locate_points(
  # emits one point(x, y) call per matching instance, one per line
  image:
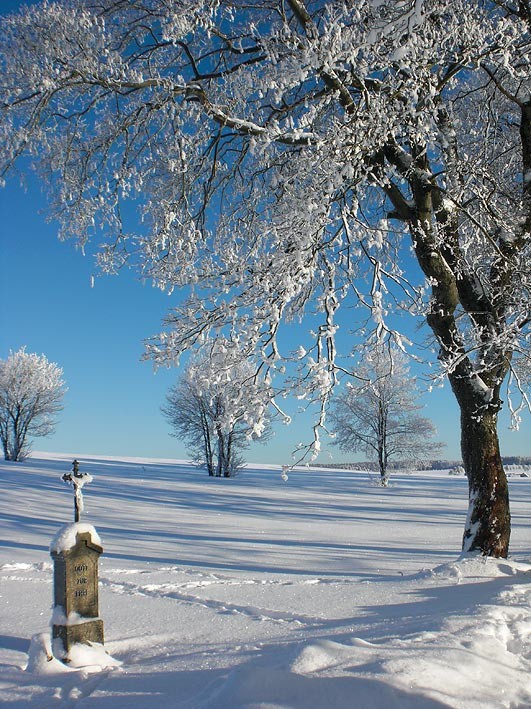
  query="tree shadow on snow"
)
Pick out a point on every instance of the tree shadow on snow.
point(11, 642)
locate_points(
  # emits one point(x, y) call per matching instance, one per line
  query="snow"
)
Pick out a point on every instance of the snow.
point(66, 537)
point(41, 660)
point(319, 590)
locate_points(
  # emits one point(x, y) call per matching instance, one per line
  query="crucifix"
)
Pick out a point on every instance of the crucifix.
point(77, 480)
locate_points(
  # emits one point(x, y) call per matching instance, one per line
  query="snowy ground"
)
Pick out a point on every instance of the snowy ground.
point(318, 592)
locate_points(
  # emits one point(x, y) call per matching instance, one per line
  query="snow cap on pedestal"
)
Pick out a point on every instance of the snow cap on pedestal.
point(66, 537)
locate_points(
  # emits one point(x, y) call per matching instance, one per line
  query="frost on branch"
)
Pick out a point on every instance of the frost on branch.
point(218, 406)
point(377, 413)
point(31, 393)
point(292, 161)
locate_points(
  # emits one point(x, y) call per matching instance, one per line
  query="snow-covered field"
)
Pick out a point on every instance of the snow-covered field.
point(317, 592)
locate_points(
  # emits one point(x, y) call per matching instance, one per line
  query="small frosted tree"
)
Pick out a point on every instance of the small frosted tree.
point(379, 416)
point(31, 394)
point(217, 408)
point(188, 415)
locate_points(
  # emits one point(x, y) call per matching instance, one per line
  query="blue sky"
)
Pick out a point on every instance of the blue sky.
point(96, 335)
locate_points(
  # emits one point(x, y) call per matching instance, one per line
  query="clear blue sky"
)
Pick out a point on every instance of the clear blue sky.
point(96, 335)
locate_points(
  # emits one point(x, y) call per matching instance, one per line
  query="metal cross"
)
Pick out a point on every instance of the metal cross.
point(77, 480)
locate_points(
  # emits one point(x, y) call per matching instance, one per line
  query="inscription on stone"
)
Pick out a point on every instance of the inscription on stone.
point(76, 594)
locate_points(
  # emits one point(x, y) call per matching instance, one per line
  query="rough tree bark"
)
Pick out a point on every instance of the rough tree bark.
point(488, 525)
point(435, 236)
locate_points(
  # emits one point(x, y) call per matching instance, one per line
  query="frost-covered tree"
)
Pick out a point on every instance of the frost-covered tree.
point(31, 394)
point(218, 407)
point(378, 415)
point(292, 156)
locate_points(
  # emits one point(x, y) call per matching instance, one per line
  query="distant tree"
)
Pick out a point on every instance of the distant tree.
point(217, 408)
point(31, 394)
point(379, 416)
point(188, 414)
point(457, 470)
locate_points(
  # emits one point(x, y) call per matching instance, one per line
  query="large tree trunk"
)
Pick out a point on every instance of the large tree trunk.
point(488, 525)
point(382, 443)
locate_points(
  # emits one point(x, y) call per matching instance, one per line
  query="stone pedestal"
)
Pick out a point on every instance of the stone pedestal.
point(76, 616)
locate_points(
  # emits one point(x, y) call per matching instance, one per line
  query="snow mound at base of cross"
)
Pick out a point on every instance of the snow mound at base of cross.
point(89, 658)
